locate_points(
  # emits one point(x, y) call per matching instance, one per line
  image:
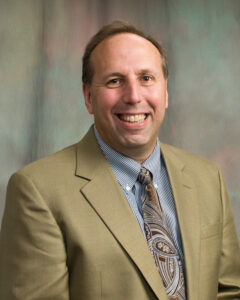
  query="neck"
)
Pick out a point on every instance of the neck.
point(138, 156)
point(139, 153)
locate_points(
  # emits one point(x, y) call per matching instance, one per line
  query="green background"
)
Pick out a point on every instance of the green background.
point(41, 103)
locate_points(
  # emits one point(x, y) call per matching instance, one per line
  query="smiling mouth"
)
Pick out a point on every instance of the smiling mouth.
point(132, 118)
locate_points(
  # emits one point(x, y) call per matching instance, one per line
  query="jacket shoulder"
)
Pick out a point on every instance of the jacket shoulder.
point(55, 163)
point(190, 160)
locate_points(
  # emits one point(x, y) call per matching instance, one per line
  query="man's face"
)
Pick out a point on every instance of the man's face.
point(128, 94)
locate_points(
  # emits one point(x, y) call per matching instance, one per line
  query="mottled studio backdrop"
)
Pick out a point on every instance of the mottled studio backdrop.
point(41, 103)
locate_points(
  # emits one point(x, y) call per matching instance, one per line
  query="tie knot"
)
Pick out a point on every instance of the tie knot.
point(144, 176)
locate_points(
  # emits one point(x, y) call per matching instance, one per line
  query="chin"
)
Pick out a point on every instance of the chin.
point(135, 143)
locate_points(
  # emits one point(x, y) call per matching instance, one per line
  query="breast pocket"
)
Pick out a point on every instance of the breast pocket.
point(211, 231)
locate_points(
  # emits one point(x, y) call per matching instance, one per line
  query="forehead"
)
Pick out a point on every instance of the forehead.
point(124, 48)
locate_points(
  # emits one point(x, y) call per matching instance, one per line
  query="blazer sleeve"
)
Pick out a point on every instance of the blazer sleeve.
point(32, 250)
point(229, 272)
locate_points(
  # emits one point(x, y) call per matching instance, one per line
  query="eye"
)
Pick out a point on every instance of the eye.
point(114, 82)
point(147, 79)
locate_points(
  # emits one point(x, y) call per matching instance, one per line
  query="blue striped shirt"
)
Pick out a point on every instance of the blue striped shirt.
point(126, 171)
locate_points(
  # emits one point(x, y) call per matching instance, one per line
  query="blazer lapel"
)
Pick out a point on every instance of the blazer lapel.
point(186, 202)
point(108, 200)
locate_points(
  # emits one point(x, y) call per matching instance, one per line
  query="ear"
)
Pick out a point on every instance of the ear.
point(166, 101)
point(87, 98)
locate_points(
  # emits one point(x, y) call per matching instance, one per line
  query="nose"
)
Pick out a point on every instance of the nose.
point(131, 92)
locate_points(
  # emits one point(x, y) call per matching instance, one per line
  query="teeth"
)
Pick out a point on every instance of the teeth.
point(133, 118)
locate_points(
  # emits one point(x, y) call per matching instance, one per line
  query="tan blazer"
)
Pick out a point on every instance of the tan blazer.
point(69, 233)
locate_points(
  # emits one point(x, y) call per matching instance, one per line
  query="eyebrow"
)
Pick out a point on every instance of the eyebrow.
point(113, 74)
point(118, 74)
point(146, 71)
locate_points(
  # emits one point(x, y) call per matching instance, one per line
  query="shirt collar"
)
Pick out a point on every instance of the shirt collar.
point(126, 169)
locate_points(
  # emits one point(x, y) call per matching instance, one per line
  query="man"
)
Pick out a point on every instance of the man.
point(79, 224)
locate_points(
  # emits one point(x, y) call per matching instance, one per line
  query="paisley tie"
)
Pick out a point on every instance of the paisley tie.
point(160, 240)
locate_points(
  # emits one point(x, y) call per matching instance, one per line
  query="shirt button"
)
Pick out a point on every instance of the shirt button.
point(128, 188)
